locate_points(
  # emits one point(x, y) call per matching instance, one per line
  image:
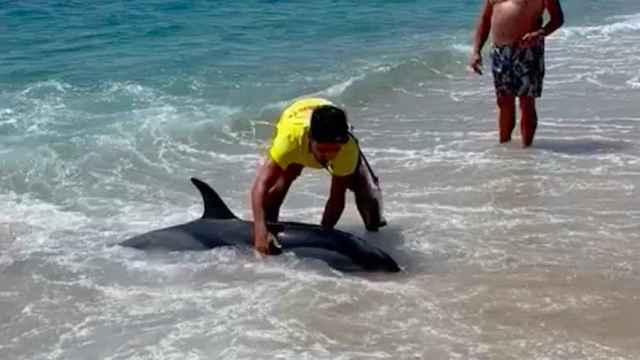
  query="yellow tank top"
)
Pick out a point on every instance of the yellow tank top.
point(290, 144)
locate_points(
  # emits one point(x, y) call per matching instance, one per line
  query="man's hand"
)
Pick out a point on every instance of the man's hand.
point(531, 39)
point(475, 63)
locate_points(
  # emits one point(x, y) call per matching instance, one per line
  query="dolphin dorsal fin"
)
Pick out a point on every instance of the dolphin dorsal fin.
point(214, 207)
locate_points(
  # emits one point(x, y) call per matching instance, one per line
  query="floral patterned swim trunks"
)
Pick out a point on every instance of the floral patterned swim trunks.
point(518, 71)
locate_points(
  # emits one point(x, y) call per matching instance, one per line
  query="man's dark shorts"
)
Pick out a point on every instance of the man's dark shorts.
point(518, 71)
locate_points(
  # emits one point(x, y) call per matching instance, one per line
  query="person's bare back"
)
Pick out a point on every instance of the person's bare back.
point(512, 19)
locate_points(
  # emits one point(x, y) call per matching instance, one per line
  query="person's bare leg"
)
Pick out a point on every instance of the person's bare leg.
point(278, 192)
point(529, 119)
point(506, 117)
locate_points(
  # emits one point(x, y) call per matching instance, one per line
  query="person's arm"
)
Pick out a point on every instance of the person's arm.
point(483, 29)
point(556, 17)
point(556, 20)
point(335, 204)
point(265, 179)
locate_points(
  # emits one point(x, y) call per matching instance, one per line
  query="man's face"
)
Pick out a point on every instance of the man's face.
point(324, 152)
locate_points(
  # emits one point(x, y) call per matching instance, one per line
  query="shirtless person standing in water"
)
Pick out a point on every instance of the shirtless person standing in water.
point(517, 57)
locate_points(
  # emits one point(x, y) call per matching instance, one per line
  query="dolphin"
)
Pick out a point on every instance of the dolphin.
point(218, 227)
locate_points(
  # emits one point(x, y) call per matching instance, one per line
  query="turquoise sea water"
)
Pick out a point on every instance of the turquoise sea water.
point(240, 54)
point(77, 70)
point(108, 107)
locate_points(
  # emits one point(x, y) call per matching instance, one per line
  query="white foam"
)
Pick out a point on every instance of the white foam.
point(338, 89)
point(462, 48)
point(7, 117)
point(45, 88)
point(630, 23)
point(134, 90)
point(41, 218)
point(634, 82)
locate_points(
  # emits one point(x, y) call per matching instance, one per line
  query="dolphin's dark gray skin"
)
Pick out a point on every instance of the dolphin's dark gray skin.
point(220, 227)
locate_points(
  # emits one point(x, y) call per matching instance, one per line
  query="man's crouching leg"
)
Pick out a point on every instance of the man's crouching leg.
point(368, 198)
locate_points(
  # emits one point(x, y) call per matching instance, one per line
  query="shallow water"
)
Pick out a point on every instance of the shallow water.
point(508, 253)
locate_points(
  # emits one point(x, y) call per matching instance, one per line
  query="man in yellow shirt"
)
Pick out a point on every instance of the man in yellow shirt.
point(314, 133)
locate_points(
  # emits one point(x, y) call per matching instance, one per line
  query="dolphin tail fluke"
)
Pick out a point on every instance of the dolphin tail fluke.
point(214, 207)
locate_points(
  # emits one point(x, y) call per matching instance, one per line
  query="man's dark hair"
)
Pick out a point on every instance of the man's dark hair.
point(329, 125)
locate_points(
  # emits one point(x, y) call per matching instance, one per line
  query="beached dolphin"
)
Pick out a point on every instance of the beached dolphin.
point(220, 227)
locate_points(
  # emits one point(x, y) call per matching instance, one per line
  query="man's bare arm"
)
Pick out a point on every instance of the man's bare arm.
point(556, 17)
point(335, 204)
point(267, 175)
point(483, 29)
